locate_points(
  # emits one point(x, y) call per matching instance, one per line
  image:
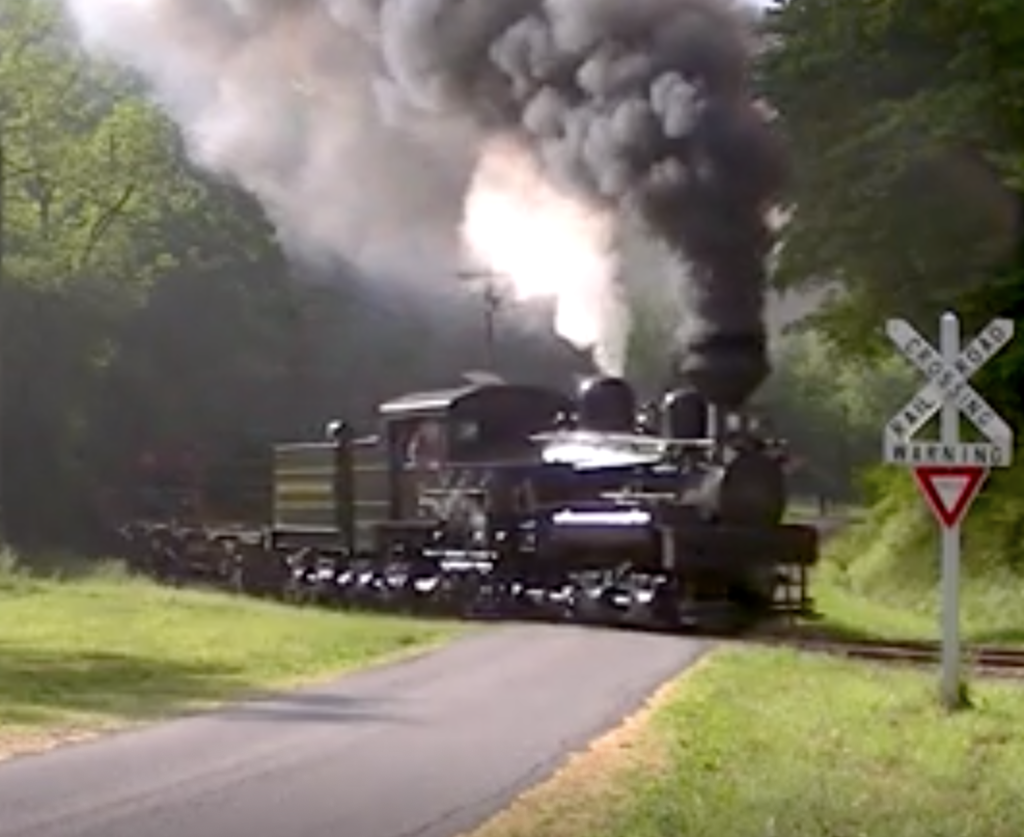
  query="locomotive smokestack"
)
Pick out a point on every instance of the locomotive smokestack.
point(637, 107)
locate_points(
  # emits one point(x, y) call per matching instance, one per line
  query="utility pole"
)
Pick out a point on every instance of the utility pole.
point(492, 304)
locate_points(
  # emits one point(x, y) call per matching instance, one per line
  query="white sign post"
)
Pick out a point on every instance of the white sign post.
point(949, 472)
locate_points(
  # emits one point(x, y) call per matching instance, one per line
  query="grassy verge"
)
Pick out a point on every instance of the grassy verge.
point(881, 576)
point(991, 613)
point(773, 742)
point(99, 651)
point(778, 742)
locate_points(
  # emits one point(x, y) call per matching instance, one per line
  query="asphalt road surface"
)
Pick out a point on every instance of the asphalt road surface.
point(426, 748)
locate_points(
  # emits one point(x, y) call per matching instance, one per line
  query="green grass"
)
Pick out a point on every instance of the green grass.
point(100, 650)
point(991, 613)
point(778, 743)
point(881, 575)
point(759, 742)
point(775, 742)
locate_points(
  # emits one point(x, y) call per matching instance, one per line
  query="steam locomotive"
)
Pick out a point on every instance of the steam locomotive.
point(511, 499)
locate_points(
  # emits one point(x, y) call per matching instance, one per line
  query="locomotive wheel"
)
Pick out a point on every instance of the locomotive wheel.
point(664, 607)
point(588, 606)
point(259, 572)
point(167, 560)
point(726, 620)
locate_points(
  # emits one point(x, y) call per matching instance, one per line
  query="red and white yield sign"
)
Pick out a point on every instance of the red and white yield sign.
point(950, 490)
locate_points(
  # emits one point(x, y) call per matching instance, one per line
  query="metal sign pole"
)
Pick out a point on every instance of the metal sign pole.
point(949, 472)
point(950, 617)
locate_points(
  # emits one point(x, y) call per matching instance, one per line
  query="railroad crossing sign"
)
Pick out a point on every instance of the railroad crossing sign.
point(948, 472)
point(947, 385)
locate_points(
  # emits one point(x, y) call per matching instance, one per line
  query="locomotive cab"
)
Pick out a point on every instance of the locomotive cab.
point(431, 459)
point(474, 424)
point(435, 446)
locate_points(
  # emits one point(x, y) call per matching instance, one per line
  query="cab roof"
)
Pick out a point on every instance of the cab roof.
point(471, 397)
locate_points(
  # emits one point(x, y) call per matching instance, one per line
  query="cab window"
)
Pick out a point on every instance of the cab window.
point(424, 445)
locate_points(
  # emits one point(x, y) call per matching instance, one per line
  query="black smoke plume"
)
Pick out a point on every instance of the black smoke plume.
point(637, 107)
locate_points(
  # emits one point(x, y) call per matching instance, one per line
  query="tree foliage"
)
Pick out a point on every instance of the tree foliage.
point(145, 306)
point(906, 123)
point(903, 118)
point(831, 410)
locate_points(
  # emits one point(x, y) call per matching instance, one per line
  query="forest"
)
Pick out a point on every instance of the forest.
point(905, 121)
point(148, 305)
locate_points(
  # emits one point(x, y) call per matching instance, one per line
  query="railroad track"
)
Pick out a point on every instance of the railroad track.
point(987, 659)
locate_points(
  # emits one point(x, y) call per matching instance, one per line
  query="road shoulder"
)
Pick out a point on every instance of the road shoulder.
point(81, 658)
point(755, 741)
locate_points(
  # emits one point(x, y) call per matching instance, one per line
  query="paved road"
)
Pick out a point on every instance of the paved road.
point(426, 748)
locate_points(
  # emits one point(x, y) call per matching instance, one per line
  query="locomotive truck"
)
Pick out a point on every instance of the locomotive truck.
point(511, 499)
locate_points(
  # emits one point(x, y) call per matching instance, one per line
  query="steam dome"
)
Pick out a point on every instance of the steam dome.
point(608, 405)
point(684, 415)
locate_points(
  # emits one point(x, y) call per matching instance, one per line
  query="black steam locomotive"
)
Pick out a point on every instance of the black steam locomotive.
point(513, 499)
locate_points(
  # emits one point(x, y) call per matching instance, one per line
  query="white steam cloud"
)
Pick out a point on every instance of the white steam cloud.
point(285, 102)
point(409, 135)
point(549, 244)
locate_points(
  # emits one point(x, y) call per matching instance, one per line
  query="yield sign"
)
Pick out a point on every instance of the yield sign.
point(949, 490)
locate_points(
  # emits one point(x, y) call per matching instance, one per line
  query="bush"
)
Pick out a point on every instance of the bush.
point(892, 555)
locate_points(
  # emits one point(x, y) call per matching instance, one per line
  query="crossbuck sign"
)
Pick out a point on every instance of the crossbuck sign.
point(947, 385)
point(949, 473)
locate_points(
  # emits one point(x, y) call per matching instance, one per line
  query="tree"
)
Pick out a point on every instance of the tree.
point(146, 304)
point(97, 203)
point(831, 408)
point(906, 124)
point(903, 120)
